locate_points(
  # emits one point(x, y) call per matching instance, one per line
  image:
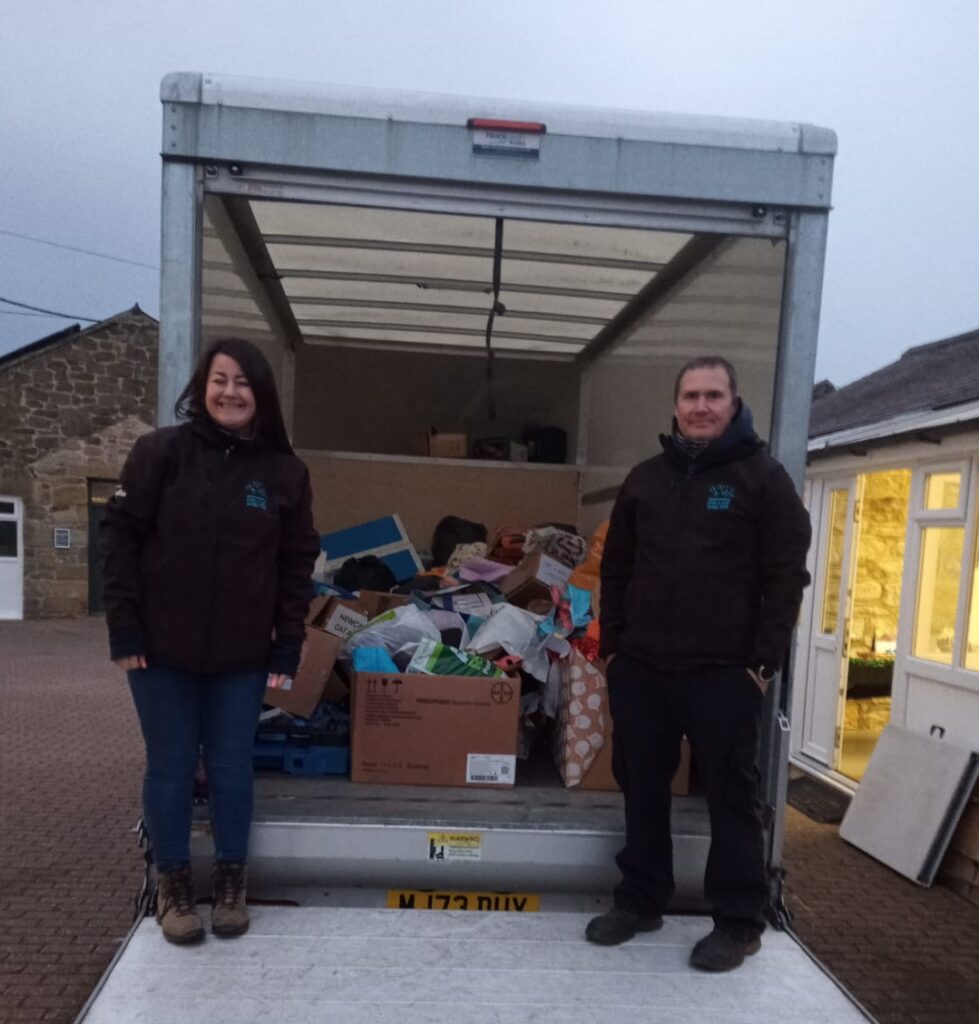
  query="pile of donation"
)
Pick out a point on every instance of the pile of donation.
point(451, 676)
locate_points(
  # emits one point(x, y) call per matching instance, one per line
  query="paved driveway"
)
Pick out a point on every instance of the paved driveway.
point(70, 769)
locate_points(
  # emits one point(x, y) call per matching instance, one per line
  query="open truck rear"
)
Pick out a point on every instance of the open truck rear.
point(481, 266)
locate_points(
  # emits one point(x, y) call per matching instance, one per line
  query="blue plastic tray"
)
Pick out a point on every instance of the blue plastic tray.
point(301, 760)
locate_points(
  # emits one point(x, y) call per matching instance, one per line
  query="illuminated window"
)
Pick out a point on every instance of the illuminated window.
point(938, 592)
point(834, 560)
point(972, 628)
point(942, 491)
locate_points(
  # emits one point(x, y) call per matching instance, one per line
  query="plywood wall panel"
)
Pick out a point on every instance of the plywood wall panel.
point(347, 491)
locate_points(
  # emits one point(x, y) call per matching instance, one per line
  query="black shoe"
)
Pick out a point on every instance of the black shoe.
point(619, 926)
point(722, 951)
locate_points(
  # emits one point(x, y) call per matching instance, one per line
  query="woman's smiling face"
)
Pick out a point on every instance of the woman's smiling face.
point(228, 396)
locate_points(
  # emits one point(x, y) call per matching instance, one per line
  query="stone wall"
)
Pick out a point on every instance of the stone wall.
point(69, 413)
point(880, 558)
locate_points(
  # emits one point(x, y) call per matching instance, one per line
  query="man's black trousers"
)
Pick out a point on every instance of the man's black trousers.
point(719, 710)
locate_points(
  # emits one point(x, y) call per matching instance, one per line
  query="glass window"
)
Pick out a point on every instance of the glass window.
point(942, 490)
point(938, 592)
point(8, 538)
point(834, 560)
point(6, 508)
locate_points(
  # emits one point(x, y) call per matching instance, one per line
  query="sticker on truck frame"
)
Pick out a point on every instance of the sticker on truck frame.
point(446, 846)
point(436, 899)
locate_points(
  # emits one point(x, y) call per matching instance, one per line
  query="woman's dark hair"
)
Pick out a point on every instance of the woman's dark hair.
point(269, 425)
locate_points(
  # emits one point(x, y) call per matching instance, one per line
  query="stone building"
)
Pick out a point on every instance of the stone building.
point(889, 629)
point(71, 406)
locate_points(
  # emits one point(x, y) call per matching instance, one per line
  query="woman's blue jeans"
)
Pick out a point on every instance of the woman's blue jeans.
point(182, 713)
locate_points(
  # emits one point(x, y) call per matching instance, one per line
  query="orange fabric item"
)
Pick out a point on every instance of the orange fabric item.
point(586, 575)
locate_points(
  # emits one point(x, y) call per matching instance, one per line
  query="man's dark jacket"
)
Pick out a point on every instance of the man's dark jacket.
point(705, 559)
point(209, 549)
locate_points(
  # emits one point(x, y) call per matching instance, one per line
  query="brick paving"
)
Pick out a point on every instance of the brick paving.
point(70, 772)
point(70, 769)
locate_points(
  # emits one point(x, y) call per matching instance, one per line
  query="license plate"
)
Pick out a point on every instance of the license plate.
point(438, 899)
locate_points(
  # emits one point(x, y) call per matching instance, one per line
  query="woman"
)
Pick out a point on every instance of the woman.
point(209, 548)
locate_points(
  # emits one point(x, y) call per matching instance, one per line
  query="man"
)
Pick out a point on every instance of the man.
point(702, 577)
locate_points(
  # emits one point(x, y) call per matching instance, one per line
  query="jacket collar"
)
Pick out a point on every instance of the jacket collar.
point(205, 428)
point(738, 441)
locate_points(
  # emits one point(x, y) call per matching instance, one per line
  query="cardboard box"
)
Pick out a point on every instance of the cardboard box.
point(385, 538)
point(439, 445)
point(375, 603)
point(533, 578)
point(434, 730)
point(329, 622)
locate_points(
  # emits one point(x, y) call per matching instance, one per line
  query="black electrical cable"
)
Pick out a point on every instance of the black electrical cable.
point(496, 309)
point(48, 312)
point(76, 248)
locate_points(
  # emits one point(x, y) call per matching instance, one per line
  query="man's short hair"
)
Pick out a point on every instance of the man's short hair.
point(708, 363)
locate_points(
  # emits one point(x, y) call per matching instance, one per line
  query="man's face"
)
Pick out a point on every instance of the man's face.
point(704, 404)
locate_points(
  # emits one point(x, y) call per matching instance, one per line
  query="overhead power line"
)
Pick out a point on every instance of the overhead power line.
point(75, 248)
point(48, 312)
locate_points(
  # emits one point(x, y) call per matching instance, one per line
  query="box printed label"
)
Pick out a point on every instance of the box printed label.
point(343, 622)
point(491, 769)
point(552, 572)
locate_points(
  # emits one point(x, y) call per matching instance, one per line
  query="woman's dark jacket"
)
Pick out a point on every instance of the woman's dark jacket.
point(705, 558)
point(209, 549)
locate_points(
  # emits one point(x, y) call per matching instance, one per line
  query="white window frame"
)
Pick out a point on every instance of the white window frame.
point(919, 519)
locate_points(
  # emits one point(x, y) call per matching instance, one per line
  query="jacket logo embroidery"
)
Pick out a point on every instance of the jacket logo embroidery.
point(719, 497)
point(255, 496)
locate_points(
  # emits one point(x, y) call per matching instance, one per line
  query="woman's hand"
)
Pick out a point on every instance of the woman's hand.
point(132, 662)
point(277, 680)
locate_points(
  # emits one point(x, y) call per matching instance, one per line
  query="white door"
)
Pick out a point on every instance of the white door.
point(833, 511)
point(11, 558)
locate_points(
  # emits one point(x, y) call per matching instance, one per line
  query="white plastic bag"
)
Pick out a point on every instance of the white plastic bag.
point(396, 629)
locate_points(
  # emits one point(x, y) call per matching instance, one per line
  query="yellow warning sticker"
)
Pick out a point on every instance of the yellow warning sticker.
point(434, 899)
point(455, 846)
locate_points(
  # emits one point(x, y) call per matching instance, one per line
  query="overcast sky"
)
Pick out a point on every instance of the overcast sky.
point(898, 80)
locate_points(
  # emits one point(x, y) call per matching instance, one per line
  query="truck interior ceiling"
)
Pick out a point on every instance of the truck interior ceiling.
point(382, 323)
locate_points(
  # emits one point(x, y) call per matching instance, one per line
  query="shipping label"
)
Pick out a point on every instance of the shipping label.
point(491, 769)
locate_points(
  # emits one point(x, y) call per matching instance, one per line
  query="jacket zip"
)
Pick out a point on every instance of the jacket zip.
point(213, 532)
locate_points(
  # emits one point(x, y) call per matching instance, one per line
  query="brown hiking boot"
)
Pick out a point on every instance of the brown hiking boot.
point(229, 915)
point(175, 910)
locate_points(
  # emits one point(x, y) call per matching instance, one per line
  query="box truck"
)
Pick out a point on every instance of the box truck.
point(489, 268)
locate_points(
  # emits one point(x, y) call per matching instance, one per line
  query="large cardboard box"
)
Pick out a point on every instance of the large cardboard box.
point(442, 445)
point(329, 622)
point(434, 730)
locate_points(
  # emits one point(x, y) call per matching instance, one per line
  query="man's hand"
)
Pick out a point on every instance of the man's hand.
point(277, 680)
point(131, 663)
point(762, 677)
